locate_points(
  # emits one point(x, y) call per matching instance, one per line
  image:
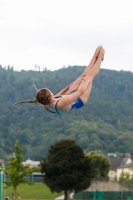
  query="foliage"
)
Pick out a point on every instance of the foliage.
point(104, 123)
point(15, 170)
point(100, 164)
point(66, 168)
point(126, 178)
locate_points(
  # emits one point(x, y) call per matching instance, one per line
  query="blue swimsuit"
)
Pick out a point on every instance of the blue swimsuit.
point(76, 104)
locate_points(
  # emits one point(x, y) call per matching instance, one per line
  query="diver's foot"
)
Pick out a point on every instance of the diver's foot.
point(97, 51)
point(101, 54)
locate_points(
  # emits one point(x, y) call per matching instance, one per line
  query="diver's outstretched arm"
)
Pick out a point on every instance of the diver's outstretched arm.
point(64, 90)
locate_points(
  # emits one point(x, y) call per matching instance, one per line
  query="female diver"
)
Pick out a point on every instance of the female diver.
point(76, 94)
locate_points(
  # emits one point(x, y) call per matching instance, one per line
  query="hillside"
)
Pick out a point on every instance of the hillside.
point(104, 123)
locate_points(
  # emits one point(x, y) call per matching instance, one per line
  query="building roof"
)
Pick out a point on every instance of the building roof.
point(117, 162)
point(31, 163)
point(129, 165)
point(1, 161)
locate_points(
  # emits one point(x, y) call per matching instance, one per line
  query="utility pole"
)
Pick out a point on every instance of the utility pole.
point(1, 185)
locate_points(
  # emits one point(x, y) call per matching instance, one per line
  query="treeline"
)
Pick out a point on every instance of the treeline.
point(104, 123)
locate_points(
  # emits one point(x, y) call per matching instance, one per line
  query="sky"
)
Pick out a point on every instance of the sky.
point(58, 33)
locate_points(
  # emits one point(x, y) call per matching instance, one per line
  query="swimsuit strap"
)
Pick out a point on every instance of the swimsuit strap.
point(49, 110)
point(55, 106)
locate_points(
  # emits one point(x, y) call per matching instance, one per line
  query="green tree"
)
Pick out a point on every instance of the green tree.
point(126, 178)
point(66, 168)
point(100, 164)
point(106, 120)
point(15, 169)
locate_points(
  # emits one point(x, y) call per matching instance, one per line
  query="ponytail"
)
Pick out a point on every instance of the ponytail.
point(42, 96)
point(26, 101)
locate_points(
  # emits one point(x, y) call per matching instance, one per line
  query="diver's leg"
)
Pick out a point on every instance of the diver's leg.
point(93, 73)
point(93, 60)
point(76, 83)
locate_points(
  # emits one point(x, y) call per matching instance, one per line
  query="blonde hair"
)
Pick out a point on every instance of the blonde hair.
point(42, 96)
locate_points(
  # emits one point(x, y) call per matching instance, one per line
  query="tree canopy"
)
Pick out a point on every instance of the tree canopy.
point(126, 178)
point(104, 123)
point(15, 170)
point(100, 164)
point(66, 167)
